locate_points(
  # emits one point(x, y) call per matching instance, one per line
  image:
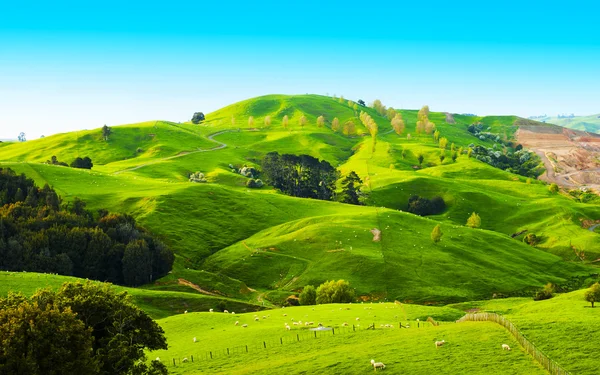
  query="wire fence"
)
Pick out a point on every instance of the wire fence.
point(551, 366)
point(291, 337)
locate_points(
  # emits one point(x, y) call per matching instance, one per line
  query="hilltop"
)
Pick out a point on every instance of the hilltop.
point(260, 246)
point(584, 123)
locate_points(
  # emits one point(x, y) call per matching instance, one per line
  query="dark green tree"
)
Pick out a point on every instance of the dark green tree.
point(137, 263)
point(420, 158)
point(308, 295)
point(198, 117)
point(593, 295)
point(351, 189)
point(106, 132)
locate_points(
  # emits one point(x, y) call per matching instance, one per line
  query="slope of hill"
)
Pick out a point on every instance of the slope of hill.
point(218, 225)
point(584, 123)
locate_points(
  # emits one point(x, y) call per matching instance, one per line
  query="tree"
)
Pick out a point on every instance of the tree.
point(391, 113)
point(420, 157)
point(120, 331)
point(198, 117)
point(442, 157)
point(335, 292)
point(350, 103)
point(398, 124)
point(335, 125)
point(429, 127)
point(21, 137)
point(320, 121)
point(423, 112)
point(436, 135)
point(454, 156)
point(308, 296)
point(137, 263)
point(84, 163)
point(30, 342)
point(285, 121)
point(593, 295)
point(349, 128)
point(553, 188)
point(361, 102)
point(251, 121)
point(232, 121)
point(531, 239)
point(267, 120)
point(351, 189)
point(474, 221)
point(302, 121)
point(546, 293)
point(469, 153)
point(106, 132)
point(355, 107)
point(436, 234)
point(443, 143)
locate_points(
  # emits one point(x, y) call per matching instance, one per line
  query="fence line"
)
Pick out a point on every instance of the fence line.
point(290, 337)
point(549, 364)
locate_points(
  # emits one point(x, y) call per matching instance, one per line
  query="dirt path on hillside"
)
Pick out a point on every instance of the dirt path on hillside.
point(184, 153)
point(550, 175)
point(196, 287)
point(593, 227)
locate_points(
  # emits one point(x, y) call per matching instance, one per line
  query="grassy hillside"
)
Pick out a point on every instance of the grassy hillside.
point(470, 348)
point(224, 233)
point(585, 123)
point(564, 327)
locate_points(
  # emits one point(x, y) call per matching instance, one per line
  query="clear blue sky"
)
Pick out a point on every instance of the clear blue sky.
point(67, 65)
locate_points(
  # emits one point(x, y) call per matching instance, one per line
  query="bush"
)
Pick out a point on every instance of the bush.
point(254, 184)
point(198, 117)
point(85, 163)
point(546, 293)
point(335, 292)
point(593, 295)
point(308, 295)
point(197, 177)
point(139, 150)
point(531, 239)
point(423, 206)
point(553, 188)
point(474, 221)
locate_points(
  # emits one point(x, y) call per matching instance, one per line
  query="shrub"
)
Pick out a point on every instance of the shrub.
point(531, 239)
point(423, 206)
point(474, 221)
point(553, 188)
point(545, 293)
point(139, 150)
point(197, 177)
point(308, 295)
point(335, 292)
point(198, 117)
point(254, 184)
point(436, 234)
point(593, 295)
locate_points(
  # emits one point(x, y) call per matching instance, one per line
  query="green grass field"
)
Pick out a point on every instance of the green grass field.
point(249, 249)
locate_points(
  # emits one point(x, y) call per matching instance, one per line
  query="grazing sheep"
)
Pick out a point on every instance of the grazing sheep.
point(194, 339)
point(505, 347)
point(226, 312)
point(233, 313)
point(345, 324)
point(284, 314)
point(256, 319)
point(288, 328)
point(185, 312)
point(377, 365)
point(184, 360)
point(357, 319)
point(245, 325)
point(295, 323)
point(439, 343)
point(158, 359)
point(210, 310)
point(306, 323)
point(237, 323)
point(264, 317)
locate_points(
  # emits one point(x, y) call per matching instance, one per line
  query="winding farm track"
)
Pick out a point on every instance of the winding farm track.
point(184, 153)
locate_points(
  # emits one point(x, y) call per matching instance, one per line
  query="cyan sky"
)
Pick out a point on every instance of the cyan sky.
point(71, 65)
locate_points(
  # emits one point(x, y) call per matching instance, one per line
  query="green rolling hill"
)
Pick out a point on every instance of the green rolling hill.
point(259, 246)
point(584, 123)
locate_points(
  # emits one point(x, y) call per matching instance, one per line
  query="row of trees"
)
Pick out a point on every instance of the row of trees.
point(424, 125)
point(39, 233)
point(84, 163)
point(83, 328)
point(328, 292)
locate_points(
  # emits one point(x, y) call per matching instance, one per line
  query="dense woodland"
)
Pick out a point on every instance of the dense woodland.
point(300, 176)
point(39, 233)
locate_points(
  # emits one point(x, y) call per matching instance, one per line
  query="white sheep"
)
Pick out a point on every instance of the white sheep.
point(210, 310)
point(357, 319)
point(345, 324)
point(256, 319)
point(226, 312)
point(245, 325)
point(377, 365)
point(237, 323)
point(288, 328)
point(184, 360)
point(505, 347)
point(158, 359)
point(439, 343)
point(185, 312)
point(295, 323)
point(233, 313)
point(194, 339)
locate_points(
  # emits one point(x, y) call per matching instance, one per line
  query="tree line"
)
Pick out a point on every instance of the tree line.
point(41, 234)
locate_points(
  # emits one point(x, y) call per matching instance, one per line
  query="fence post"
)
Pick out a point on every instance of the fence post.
point(210, 355)
point(192, 359)
point(246, 348)
point(281, 339)
point(298, 337)
point(353, 328)
point(265, 344)
point(333, 331)
point(174, 362)
point(227, 351)
point(315, 334)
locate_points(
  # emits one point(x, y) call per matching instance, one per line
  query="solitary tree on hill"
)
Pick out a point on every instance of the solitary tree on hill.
point(361, 102)
point(335, 125)
point(198, 117)
point(436, 234)
point(474, 221)
point(593, 295)
point(106, 131)
point(285, 121)
point(267, 120)
point(251, 121)
point(320, 121)
point(302, 121)
point(442, 157)
point(454, 156)
point(21, 137)
point(420, 158)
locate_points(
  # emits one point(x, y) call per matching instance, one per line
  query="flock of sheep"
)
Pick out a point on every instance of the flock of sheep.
point(376, 365)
